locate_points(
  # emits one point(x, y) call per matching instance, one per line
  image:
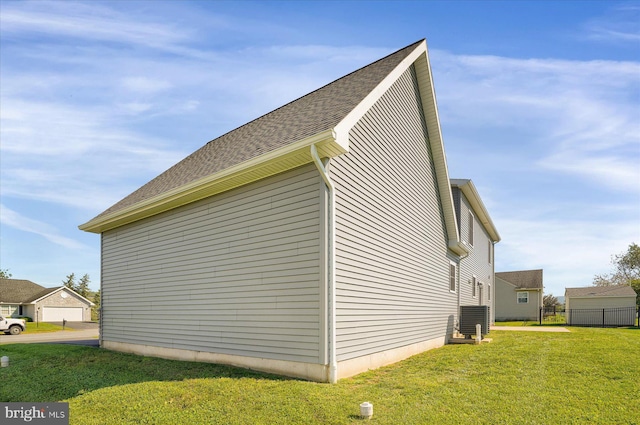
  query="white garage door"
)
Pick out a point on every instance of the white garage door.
point(57, 314)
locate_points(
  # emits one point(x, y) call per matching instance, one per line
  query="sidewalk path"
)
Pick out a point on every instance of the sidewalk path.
point(530, 328)
point(82, 337)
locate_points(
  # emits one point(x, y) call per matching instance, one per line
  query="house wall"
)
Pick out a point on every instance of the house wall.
point(392, 265)
point(477, 262)
point(232, 278)
point(57, 300)
point(507, 307)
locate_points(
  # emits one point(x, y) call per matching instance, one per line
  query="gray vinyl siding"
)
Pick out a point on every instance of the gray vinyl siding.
point(392, 269)
point(238, 273)
point(477, 262)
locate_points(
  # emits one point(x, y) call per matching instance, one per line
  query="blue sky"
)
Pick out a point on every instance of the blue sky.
point(539, 105)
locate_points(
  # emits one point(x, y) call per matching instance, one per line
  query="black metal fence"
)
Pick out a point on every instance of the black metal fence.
point(602, 317)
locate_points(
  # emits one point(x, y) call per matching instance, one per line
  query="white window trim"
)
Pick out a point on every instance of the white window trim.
point(455, 277)
point(518, 297)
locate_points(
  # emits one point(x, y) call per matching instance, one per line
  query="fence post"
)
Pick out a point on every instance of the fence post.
point(603, 317)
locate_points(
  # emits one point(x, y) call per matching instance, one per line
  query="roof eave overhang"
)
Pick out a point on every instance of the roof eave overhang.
point(260, 167)
point(470, 192)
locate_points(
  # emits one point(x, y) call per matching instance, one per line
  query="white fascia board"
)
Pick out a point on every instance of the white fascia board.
point(470, 192)
point(420, 58)
point(346, 124)
point(430, 109)
point(197, 189)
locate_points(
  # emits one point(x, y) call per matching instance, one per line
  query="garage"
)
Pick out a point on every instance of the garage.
point(57, 314)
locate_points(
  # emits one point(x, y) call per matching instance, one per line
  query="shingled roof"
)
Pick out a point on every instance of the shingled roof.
point(601, 291)
point(523, 279)
point(16, 291)
point(285, 139)
point(312, 114)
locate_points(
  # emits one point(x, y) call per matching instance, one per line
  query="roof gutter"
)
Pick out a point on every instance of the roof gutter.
point(270, 163)
point(331, 265)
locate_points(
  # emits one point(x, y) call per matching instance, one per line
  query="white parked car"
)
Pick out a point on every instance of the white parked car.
point(12, 326)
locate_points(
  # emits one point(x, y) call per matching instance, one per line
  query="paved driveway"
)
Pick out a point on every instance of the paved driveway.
point(86, 334)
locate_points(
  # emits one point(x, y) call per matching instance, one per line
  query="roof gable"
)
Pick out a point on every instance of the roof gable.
point(601, 291)
point(17, 291)
point(50, 291)
point(523, 279)
point(316, 113)
point(20, 291)
point(467, 187)
point(282, 140)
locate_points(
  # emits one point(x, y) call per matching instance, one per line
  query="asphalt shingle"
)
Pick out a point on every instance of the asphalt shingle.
point(309, 115)
point(524, 279)
point(601, 291)
point(16, 291)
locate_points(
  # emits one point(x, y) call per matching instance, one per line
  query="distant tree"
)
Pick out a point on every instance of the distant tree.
point(95, 315)
point(4, 274)
point(626, 270)
point(82, 287)
point(70, 282)
point(550, 301)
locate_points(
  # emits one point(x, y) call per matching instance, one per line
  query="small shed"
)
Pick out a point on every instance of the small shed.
point(601, 306)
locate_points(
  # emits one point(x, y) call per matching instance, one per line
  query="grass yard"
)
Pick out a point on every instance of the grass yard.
point(42, 327)
point(586, 376)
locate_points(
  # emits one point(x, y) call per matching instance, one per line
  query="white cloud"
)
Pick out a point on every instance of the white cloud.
point(618, 25)
point(575, 117)
point(145, 85)
point(572, 251)
point(87, 21)
point(13, 219)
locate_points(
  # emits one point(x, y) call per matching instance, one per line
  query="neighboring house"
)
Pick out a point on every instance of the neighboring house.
point(23, 298)
point(479, 235)
point(601, 305)
point(318, 241)
point(519, 295)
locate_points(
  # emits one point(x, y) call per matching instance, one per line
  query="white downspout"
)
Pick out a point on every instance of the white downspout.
point(331, 230)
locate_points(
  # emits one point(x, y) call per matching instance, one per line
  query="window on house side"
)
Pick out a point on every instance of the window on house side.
point(489, 245)
point(474, 285)
point(470, 228)
point(489, 295)
point(523, 298)
point(452, 277)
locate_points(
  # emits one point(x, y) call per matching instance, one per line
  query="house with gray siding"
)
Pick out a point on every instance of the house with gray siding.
point(479, 235)
point(24, 298)
point(316, 241)
point(519, 295)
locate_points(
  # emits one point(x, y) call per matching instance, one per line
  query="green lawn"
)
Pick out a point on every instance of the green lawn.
point(586, 376)
point(34, 328)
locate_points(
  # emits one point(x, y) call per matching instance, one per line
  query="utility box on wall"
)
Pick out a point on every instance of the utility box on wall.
point(470, 315)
